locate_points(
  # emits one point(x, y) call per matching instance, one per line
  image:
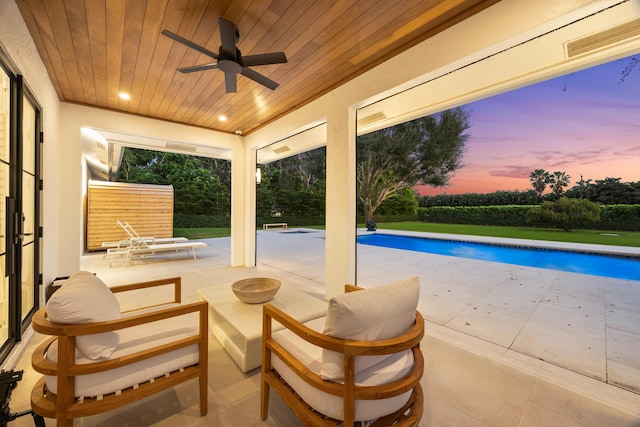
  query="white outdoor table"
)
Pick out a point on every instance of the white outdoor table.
point(238, 326)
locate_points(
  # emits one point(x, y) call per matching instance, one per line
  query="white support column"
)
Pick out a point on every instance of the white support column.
point(250, 208)
point(238, 206)
point(340, 246)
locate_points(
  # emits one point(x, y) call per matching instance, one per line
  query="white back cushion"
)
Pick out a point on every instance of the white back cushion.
point(372, 314)
point(84, 298)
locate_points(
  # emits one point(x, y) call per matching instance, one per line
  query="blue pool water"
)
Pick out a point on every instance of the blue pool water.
point(576, 262)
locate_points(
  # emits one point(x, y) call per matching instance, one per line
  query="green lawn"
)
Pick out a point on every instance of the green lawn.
point(201, 233)
point(620, 238)
point(600, 237)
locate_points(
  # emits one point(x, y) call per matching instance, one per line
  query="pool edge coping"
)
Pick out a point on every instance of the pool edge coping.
point(628, 251)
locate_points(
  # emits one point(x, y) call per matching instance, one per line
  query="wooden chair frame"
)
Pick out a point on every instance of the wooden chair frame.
point(64, 406)
point(409, 415)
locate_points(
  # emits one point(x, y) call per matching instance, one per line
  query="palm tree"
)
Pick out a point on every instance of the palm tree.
point(539, 179)
point(558, 181)
point(583, 186)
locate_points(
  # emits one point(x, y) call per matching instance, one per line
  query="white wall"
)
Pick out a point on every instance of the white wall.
point(74, 117)
point(17, 43)
point(502, 26)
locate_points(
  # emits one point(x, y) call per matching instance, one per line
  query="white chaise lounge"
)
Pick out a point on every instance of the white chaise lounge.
point(144, 250)
point(137, 247)
point(120, 246)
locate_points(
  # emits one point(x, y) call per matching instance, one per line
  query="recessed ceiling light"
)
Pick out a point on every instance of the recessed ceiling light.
point(124, 96)
point(222, 118)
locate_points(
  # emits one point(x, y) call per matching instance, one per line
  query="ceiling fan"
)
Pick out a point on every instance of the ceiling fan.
point(229, 59)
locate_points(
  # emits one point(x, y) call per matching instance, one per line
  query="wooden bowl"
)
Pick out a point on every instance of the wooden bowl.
point(255, 290)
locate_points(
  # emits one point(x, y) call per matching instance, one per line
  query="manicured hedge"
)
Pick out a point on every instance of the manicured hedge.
point(389, 218)
point(612, 217)
point(292, 221)
point(507, 215)
point(201, 221)
point(619, 217)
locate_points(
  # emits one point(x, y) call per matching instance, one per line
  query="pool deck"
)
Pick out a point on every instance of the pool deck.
point(586, 324)
point(504, 345)
point(540, 244)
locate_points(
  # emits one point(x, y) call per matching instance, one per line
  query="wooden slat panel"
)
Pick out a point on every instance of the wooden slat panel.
point(132, 47)
point(147, 208)
point(77, 19)
point(64, 43)
point(172, 82)
point(37, 21)
point(150, 33)
point(115, 35)
point(161, 55)
point(93, 49)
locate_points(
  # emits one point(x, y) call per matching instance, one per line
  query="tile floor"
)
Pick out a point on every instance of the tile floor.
point(504, 345)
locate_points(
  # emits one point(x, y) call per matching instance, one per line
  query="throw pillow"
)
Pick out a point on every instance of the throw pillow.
point(378, 313)
point(84, 298)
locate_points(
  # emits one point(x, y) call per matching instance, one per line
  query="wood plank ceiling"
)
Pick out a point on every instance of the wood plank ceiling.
point(95, 49)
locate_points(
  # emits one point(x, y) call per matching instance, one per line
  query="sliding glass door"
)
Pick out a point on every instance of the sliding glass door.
point(27, 223)
point(5, 137)
point(20, 135)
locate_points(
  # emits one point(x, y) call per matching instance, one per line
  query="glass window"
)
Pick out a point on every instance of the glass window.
point(28, 137)
point(5, 105)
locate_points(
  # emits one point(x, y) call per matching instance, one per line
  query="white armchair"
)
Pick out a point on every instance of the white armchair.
point(362, 363)
point(99, 359)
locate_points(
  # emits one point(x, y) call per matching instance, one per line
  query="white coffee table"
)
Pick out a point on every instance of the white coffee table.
point(238, 326)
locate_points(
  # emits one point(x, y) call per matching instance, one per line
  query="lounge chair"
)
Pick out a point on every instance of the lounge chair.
point(137, 247)
point(99, 359)
point(362, 363)
point(121, 245)
point(142, 249)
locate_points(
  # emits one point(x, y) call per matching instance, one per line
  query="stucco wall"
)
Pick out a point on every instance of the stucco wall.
point(17, 43)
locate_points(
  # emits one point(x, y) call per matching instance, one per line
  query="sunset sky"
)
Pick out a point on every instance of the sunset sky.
point(586, 123)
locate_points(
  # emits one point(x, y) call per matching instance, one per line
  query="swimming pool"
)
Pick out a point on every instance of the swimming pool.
point(618, 267)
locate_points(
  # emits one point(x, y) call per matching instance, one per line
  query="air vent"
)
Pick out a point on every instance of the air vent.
point(180, 147)
point(281, 150)
point(376, 117)
point(603, 38)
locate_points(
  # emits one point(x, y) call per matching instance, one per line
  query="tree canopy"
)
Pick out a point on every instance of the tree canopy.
point(427, 151)
point(202, 186)
point(294, 186)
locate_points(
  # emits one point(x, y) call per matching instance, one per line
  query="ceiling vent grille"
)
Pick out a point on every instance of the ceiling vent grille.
point(281, 150)
point(180, 147)
point(603, 38)
point(375, 117)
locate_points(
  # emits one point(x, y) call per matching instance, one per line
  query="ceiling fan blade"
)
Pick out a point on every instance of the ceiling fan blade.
point(189, 43)
point(195, 68)
point(264, 59)
point(228, 37)
point(230, 82)
point(259, 78)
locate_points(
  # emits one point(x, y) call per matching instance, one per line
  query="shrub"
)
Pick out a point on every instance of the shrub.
point(620, 217)
point(201, 221)
point(565, 213)
point(508, 215)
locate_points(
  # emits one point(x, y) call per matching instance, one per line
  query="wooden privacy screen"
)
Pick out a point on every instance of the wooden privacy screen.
point(148, 208)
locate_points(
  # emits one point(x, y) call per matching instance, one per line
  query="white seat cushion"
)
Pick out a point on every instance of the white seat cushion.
point(133, 340)
point(391, 368)
point(378, 313)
